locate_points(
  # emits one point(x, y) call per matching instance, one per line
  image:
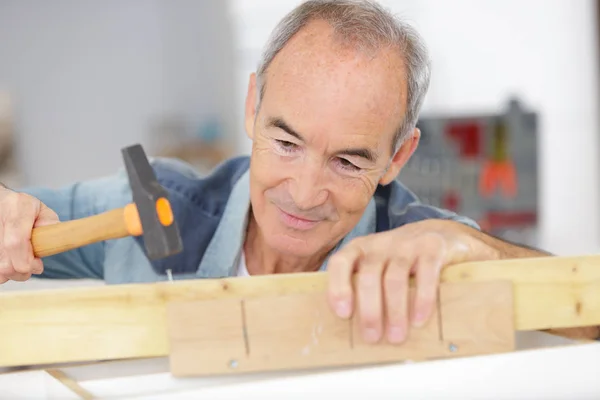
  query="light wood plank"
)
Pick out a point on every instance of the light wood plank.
point(549, 292)
point(194, 339)
point(299, 331)
point(129, 321)
point(478, 318)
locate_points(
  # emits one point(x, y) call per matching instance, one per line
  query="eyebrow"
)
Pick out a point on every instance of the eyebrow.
point(365, 153)
point(281, 124)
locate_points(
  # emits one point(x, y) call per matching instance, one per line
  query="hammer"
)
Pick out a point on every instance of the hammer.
point(149, 214)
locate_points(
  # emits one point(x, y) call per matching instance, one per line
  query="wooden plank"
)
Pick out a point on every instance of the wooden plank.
point(113, 322)
point(299, 331)
point(549, 292)
point(129, 321)
point(488, 309)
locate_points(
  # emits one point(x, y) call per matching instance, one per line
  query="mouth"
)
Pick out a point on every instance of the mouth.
point(296, 222)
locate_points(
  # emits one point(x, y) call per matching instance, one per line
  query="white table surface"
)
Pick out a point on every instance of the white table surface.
point(543, 367)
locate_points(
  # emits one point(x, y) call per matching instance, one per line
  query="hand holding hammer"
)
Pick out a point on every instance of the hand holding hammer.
point(29, 230)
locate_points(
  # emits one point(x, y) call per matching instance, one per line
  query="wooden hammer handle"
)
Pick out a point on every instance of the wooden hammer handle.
point(57, 238)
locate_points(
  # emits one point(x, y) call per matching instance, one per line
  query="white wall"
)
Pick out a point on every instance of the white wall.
point(544, 51)
point(89, 77)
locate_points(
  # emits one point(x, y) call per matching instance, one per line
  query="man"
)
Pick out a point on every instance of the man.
point(331, 112)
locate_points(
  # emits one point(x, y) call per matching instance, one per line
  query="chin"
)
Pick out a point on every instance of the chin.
point(292, 243)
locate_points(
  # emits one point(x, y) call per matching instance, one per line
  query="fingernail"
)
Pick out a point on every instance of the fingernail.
point(342, 309)
point(370, 335)
point(395, 334)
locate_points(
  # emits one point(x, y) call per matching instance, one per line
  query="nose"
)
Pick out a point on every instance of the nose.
point(307, 187)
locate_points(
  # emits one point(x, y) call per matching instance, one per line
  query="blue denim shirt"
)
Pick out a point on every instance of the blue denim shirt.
point(211, 212)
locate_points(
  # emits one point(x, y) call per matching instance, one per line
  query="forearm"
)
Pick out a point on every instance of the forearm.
point(503, 249)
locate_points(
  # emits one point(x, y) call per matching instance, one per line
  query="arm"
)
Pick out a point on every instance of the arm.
point(501, 249)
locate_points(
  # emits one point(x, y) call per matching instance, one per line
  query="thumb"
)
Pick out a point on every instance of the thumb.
point(45, 217)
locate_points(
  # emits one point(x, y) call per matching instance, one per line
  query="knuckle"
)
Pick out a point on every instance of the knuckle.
point(357, 241)
point(27, 266)
point(431, 241)
point(17, 199)
point(335, 260)
point(20, 277)
point(401, 264)
point(22, 269)
point(369, 278)
point(12, 242)
point(18, 203)
point(396, 278)
point(339, 293)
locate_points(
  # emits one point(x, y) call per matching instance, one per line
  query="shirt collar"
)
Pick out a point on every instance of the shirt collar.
point(222, 254)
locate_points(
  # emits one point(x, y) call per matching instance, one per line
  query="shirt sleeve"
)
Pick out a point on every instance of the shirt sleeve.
point(75, 201)
point(404, 207)
point(419, 211)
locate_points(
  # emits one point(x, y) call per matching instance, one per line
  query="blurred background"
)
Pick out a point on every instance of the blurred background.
point(510, 125)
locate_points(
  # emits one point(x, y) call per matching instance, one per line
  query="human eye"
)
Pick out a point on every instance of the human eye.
point(346, 165)
point(285, 146)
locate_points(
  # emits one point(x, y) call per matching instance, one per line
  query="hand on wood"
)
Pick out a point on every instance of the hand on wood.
point(371, 275)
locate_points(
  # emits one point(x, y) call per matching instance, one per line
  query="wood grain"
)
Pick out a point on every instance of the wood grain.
point(299, 331)
point(129, 321)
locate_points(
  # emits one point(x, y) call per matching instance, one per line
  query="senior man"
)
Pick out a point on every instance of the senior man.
point(332, 113)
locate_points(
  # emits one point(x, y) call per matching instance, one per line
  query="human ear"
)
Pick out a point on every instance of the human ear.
point(401, 157)
point(250, 109)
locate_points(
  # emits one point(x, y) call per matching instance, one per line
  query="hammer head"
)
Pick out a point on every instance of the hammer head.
point(161, 238)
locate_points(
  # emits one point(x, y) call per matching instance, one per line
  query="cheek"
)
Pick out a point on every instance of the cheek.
point(268, 169)
point(352, 197)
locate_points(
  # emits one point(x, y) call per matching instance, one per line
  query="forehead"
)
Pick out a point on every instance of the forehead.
point(330, 88)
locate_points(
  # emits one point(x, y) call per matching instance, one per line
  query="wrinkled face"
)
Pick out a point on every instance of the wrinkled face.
point(322, 139)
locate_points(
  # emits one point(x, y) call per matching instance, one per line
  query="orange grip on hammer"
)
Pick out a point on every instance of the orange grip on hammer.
point(132, 217)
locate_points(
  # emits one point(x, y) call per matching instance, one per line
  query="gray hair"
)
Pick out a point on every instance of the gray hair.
point(368, 26)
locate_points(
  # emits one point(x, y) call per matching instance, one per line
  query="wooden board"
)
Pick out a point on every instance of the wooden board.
point(129, 321)
point(299, 331)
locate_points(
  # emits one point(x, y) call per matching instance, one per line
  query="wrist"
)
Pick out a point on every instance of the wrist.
point(481, 245)
point(487, 247)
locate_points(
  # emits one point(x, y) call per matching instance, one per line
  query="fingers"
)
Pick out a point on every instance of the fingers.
point(17, 234)
point(370, 298)
point(46, 216)
point(17, 244)
point(396, 295)
point(341, 268)
point(427, 277)
point(19, 214)
point(19, 277)
point(7, 272)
